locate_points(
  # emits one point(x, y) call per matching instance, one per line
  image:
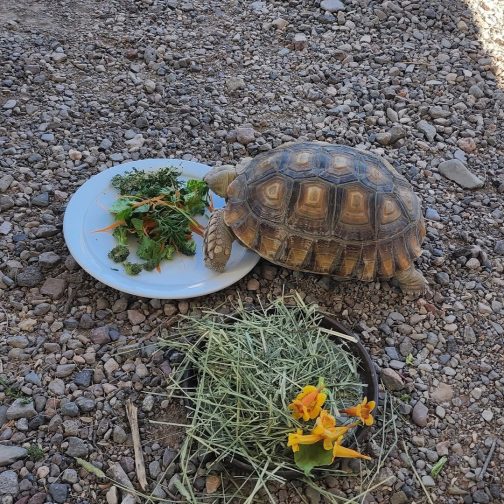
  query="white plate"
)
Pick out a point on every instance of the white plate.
point(182, 277)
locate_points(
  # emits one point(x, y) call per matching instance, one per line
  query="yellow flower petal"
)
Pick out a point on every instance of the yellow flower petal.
point(328, 444)
point(343, 452)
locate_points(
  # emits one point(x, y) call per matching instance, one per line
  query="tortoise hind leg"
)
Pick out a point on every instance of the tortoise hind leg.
point(412, 281)
point(218, 241)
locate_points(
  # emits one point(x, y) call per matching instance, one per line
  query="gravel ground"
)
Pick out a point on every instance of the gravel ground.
point(89, 84)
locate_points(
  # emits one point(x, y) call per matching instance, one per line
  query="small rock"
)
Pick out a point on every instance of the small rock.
point(100, 335)
point(149, 86)
point(154, 469)
point(105, 144)
point(135, 143)
point(391, 379)
point(64, 370)
point(21, 408)
point(148, 403)
point(9, 104)
point(85, 404)
point(70, 476)
point(442, 393)
point(33, 378)
point(9, 484)
point(480, 497)
point(253, 284)
point(112, 495)
point(245, 135)
point(476, 91)
point(9, 454)
point(5, 182)
point(54, 287)
point(420, 414)
point(487, 415)
point(29, 277)
point(70, 409)
point(472, 263)
point(235, 83)
point(428, 481)
point(399, 498)
point(300, 41)
point(59, 492)
point(455, 170)
point(332, 5)
point(136, 317)
point(499, 247)
point(432, 215)
point(119, 435)
point(41, 200)
point(49, 260)
point(427, 129)
point(467, 144)
point(442, 278)
point(57, 387)
point(77, 448)
point(111, 366)
point(74, 155)
point(83, 378)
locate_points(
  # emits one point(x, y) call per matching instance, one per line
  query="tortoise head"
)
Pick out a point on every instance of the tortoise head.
point(219, 178)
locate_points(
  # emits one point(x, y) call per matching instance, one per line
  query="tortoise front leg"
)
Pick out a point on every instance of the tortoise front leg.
point(412, 281)
point(218, 241)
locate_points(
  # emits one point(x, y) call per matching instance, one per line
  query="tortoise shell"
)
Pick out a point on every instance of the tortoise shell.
point(327, 209)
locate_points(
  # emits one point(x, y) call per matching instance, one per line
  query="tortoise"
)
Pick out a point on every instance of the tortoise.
point(320, 208)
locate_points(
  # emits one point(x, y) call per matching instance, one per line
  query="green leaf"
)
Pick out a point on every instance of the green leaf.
point(149, 249)
point(90, 468)
point(138, 225)
point(142, 209)
point(410, 360)
point(438, 466)
point(120, 205)
point(310, 456)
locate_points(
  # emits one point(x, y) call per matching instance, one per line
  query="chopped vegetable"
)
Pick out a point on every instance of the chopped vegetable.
point(119, 253)
point(132, 268)
point(157, 210)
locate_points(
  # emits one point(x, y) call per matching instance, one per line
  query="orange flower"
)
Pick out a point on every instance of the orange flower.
point(362, 411)
point(298, 438)
point(325, 427)
point(308, 403)
point(343, 452)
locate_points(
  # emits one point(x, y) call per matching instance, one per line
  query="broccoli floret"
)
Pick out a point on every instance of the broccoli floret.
point(188, 248)
point(121, 235)
point(119, 253)
point(132, 268)
point(150, 265)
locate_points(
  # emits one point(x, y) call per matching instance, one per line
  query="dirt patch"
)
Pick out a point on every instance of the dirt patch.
point(168, 435)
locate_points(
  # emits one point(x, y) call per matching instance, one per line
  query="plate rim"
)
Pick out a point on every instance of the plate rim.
point(250, 258)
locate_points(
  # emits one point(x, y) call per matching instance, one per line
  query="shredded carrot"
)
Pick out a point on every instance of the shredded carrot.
point(199, 230)
point(112, 226)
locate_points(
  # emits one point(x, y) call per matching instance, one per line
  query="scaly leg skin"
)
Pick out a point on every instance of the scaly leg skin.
point(218, 241)
point(412, 281)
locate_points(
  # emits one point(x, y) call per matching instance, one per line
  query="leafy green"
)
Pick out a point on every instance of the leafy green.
point(194, 198)
point(119, 253)
point(132, 268)
point(314, 455)
point(157, 209)
point(137, 182)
